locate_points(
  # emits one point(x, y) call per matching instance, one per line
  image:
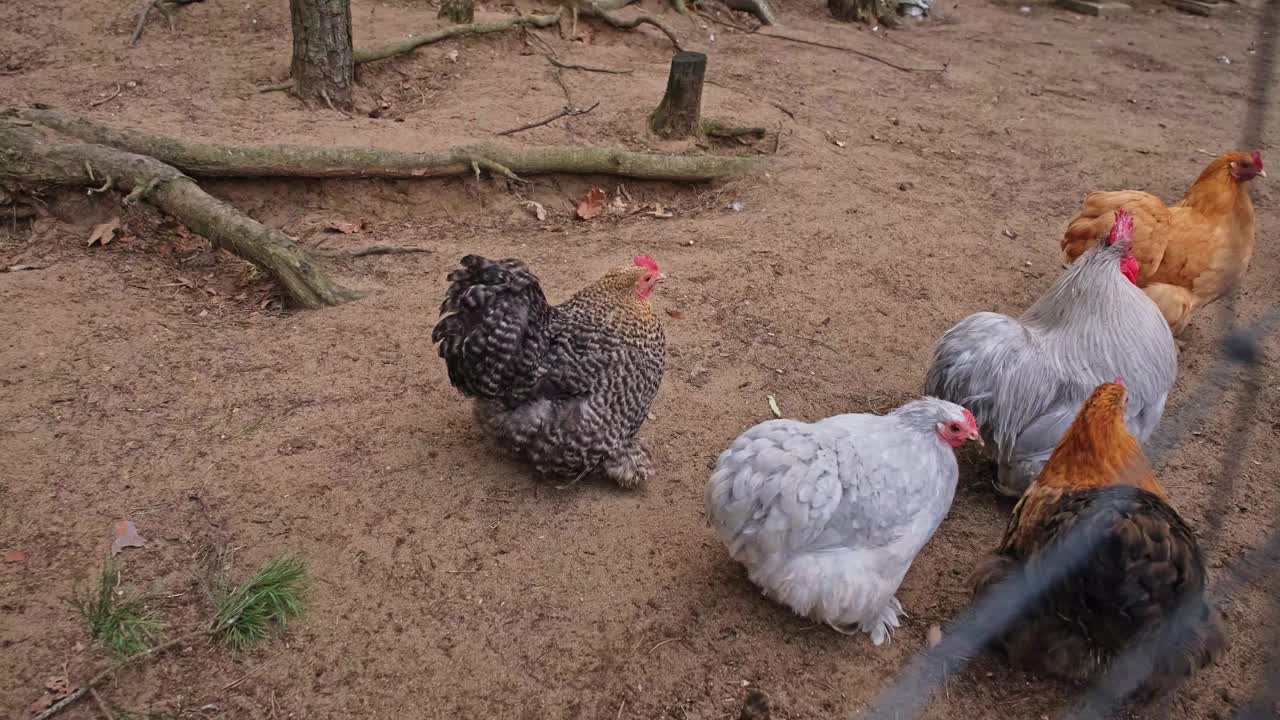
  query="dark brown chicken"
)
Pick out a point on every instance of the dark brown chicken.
point(1144, 565)
point(565, 387)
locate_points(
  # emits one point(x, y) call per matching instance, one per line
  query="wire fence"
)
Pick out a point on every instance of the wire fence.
point(1241, 349)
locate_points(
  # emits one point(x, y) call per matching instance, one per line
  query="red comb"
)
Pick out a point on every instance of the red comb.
point(1119, 381)
point(1122, 229)
point(969, 416)
point(646, 262)
point(1257, 158)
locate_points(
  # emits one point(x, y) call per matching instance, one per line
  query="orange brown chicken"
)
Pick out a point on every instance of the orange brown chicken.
point(1190, 253)
point(1144, 564)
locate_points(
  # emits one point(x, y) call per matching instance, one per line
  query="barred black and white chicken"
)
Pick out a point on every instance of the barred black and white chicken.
point(564, 387)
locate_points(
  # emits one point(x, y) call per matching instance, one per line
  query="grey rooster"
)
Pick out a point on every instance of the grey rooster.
point(564, 387)
point(1025, 379)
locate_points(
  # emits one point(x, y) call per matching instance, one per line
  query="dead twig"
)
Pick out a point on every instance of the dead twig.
point(94, 681)
point(585, 68)
point(564, 112)
point(109, 98)
point(851, 51)
point(664, 642)
point(387, 250)
point(102, 705)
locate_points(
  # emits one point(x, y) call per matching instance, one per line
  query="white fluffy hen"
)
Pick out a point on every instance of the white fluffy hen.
point(828, 516)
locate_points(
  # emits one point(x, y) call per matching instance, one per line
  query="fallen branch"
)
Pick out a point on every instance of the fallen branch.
point(564, 112)
point(25, 157)
point(364, 55)
point(851, 51)
point(111, 670)
point(109, 98)
point(210, 160)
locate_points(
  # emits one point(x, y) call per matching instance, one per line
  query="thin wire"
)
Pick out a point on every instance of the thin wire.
point(1000, 606)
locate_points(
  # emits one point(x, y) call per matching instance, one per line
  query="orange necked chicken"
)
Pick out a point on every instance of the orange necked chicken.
point(1138, 567)
point(1190, 253)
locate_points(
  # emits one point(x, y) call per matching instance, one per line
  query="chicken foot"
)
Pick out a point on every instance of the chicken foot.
point(631, 465)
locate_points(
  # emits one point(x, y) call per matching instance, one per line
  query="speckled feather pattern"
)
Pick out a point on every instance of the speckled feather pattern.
point(1025, 379)
point(1146, 563)
point(565, 387)
point(828, 516)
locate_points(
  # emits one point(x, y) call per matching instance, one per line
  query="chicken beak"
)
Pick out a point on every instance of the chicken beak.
point(661, 278)
point(977, 437)
point(1262, 173)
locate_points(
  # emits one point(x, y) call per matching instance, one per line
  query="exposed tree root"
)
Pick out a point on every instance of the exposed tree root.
point(596, 11)
point(364, 55)
point(147, 7)
point(760, 8)
point(25, 157)
point(210, 160)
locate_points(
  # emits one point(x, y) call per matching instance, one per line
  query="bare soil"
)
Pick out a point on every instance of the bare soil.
point(155, 380)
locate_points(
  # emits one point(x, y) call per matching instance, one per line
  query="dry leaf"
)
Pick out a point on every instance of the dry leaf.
point(126, 535)
point(58, 685)
point(104, 233)
point(78, 647)
point(42, 704)
point(677, 314)
point(538, 211)
point(346, 228)
point(591, 204)
point(617, 206)
point(773, 407)
point(20, 268)
point(658, 211)
point(15, 556)
point(934, 636)
point(452, 55)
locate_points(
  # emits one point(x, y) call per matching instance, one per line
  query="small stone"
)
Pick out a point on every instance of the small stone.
point(906, 185)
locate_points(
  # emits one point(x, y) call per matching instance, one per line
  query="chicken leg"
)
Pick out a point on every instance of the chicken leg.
point(1175, 303)
point(630, 465)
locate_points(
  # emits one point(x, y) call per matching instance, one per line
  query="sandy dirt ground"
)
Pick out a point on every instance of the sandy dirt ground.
point(156, 380)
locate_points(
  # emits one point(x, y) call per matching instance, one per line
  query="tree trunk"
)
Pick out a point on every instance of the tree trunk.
point(860, 10)
point(458, 12)
point(680, 112)
point(322, 65)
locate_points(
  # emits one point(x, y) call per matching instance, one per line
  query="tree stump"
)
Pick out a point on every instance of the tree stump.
point(860, 10)
point(457, 12)
point(680, 112)
point(322, 67)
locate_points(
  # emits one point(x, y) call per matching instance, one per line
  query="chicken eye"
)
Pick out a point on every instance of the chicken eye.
point(954, 427)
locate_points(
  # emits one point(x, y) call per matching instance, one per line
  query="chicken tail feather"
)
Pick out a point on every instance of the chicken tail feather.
point(492, 327)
